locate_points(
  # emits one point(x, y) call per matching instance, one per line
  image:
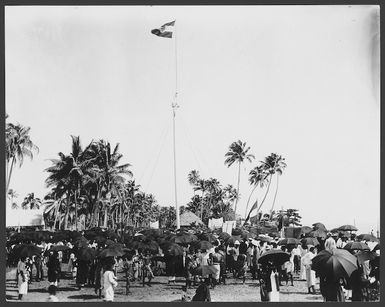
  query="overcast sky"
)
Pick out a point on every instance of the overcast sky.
point(300, 81)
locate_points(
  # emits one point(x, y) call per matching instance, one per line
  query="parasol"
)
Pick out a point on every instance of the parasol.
point(288, 241)
point(363, 256)
point(232, 239)
point(111, 252)
point(59, 248)
point(318, 233)
point(277, 256)
point(224, 236)
point(339, 263)
point(356, 246)
point(306, 229)
point(319, 226)
point(310, 241)
point(207, 237)
point(206, 245)
point(347, 228)
point(26, 250)
point(171, 249)
point(265, 238)
point(86, 253)
point(367, 237)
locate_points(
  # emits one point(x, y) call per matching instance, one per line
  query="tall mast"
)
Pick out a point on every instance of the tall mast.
point(174, 107)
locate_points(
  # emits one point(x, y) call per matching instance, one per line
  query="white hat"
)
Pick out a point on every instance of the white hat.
point(236, 242)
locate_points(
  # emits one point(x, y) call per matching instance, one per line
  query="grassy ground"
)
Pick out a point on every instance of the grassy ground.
point(160, 291)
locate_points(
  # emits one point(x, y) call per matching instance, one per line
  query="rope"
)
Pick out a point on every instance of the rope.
point(157, 159)
point(164, 131)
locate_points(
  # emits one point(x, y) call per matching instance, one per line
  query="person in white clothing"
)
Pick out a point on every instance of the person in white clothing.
point(109, 283)
point(310, 274)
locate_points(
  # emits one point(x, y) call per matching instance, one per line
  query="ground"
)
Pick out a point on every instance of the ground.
point(160, 291)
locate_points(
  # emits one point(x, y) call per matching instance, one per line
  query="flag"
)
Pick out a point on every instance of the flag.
point(165, 31)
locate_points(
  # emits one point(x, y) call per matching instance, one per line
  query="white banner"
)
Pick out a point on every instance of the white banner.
point(228, 226)
point(215, 223)
point(154, 225)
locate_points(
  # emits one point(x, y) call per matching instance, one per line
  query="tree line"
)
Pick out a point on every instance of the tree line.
point(90, 187)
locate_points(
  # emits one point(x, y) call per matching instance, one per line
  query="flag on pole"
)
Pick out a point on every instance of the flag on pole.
point(165, 31)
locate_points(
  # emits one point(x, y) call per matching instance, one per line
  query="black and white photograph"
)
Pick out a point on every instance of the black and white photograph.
point(218, 153)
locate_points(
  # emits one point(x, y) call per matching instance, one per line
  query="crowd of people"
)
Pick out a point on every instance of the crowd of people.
point(204, 268)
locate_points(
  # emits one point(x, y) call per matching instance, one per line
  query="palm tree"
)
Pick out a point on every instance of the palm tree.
point(238, 152)
point(30, 202)
point(11, 195)
point(277, 164)
point(18, 146)
point(257, 177)
point(193, 177)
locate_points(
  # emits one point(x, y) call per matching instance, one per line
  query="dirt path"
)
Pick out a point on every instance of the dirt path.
point(160, 291)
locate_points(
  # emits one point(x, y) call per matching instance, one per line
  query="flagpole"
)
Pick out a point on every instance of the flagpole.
point(174, 107)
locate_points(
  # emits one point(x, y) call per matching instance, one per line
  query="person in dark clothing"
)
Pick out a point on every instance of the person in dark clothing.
point(147, 271)
point(358, 284)
point(91, 273)
point(39, 268)
point(331, 289)
point(98, 277)
point(54, 269)
point(202, 294)
point(82, 273)
point(189, 269)
point(243, 248)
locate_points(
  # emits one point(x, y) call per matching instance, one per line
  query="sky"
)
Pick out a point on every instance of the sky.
point(299, 81)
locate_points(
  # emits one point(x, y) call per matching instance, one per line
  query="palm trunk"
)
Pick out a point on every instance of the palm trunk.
point(105, 216)
point(56, 215)
point(202, 205)
point(236, 201)
point(263, 200)
point(267, 191)
point(67, 212)
point(275, 195)
point(76, 213)
point(248, 200)
point(9, 175)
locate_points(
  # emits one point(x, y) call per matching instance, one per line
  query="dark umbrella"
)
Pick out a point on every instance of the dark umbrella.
point(363, 256)
point(81, 242)
point(367, 237)
point(288, 241)
point(224, 236)
point(264, 238)
point(100, 239)
point(171, 249)
point(207, 237)
point(356, 246)
point(183, 238)
point(111, 252)
point(310, 241)
point(206, 245)
point(86, 253)
point(339, 263)
point(109, 242)
point(59, 248)
point(277, 256)
point(306, 229)
point(232, 239)
point(150, 246)
point(377, 247)
point(318, 233)
point(347, 228)
point(236, 232)
point(26, 250)
point(319, 226)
